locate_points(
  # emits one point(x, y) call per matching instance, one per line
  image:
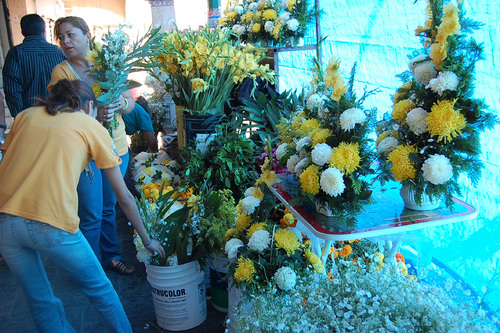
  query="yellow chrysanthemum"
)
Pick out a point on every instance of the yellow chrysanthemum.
point(199, 85)
point(231, 15)
point(254, 227)
point(244, 271)
point(269, 14)
point(320, 135)
point(309, 125)
point(345, 157)
point(230, 233)
point(242, 222)
point(315, 261)
point(399, 93)
point(444, 121)
point(309, 179)
point(96, 89)
point(239, 208)
point(401, 110)
point(402, 166)
point(287, 240)
point(346, 250)
point(256, 27)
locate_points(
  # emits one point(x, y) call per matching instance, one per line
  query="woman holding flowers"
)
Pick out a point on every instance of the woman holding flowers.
point(96, 199)
point(63, 135)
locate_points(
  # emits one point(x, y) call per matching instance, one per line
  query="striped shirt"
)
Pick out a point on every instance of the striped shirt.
point(27, 70)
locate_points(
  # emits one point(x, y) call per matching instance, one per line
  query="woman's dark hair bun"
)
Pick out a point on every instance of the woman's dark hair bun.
point(63, 97)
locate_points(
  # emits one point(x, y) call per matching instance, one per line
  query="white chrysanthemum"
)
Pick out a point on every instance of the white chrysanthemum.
point(252, 6)
point(292, 162)
point(437, 169)
point(413, 62)
point(303, 163)
point(349, 118)
point(332, 182)
point(238, 10)
point(281, 150)
point(232, 246)
point(425, 72)
point(315, 101)
point(260, 240)
point(416, 120)
point(284, 16)
point(387, 145)
point(445, 81)
point(235, 28)
point(249, 204)
point(321, 154)
point(285, 278)
point(248, 191)
point(143, 255)
point(303, 142)
point(269, 26)
point(296, 232)
point(292, 24)
point(241, 30)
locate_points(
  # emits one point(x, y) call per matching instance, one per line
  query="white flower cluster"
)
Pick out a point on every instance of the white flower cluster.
point(154, 168)
point(349, 118)
point(358, 299)
point(260, 240)
point(285, 278)
point(387, 145)
point(423, 70)
point(445, 81)
point(437, 169)
point(321, 154)
point(416, 120)
point(232, 247)
point(332, 182)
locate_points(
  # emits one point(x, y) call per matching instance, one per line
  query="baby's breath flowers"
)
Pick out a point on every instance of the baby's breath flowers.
point(433, 134)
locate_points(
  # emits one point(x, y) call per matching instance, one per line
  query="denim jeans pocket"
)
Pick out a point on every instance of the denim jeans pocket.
point(43, 234)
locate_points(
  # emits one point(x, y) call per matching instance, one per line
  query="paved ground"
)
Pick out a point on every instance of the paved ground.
point(134, 292)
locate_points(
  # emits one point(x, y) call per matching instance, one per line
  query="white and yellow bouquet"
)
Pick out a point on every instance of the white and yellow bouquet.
point(264, 248)
point(433, 133)
point(268, 22)
point(155, 168)
point(326, 147)
point(204, 66)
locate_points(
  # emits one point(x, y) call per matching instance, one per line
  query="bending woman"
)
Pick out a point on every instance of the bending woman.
point(96, 199)
point(45, 153)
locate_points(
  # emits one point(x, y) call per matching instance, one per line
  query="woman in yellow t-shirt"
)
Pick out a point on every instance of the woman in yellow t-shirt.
point(45, 153)
point(96, 199)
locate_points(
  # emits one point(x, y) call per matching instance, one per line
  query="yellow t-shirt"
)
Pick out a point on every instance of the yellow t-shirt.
point(65, 71)
point(45, 155)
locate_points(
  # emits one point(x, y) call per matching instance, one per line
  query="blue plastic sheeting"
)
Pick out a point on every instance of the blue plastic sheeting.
point(380, 35)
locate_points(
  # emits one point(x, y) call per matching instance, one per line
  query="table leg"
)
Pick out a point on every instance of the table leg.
point(326, 251)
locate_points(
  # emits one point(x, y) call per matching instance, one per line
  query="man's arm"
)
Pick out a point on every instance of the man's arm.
point(12, 83)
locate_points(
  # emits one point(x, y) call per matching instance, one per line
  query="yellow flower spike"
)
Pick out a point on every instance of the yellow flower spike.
point(402, 166)
point(444, 121)
point(346, 157)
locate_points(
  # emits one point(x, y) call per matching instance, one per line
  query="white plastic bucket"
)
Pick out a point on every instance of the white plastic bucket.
point(178, 295)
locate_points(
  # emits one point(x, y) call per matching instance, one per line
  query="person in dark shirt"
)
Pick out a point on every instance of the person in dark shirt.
point(28, 66)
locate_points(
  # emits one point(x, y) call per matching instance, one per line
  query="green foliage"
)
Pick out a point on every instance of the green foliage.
point(227, 163)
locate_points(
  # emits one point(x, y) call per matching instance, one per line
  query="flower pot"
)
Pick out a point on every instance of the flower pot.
point(218, 284)
point(409, 199)
point(178, 295)
point(323, 209)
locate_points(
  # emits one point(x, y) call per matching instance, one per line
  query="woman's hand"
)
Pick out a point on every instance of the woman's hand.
point(106, 113)
point(155, 247)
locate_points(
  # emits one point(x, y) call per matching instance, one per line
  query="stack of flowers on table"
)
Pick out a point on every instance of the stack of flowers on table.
point(326, 146)
point(112, 62)
point(265, 250)
point(155, 168)
point(204, 66)
point(270, 23)
point(433, 133)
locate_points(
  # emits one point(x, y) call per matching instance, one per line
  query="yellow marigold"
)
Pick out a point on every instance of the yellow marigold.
point(242, 222)
point(315, 261)
point(346, 250)
point(444, 121)
point(309, 179)
point(244, 271)
point(345, 157)
point(399, 93)
point(309, 125)
point(96, 89)
point(320, 135)
point(254, 228)
point(401, 110)
point(288, 220)
point(199, 85)
point(230, 233)
point(402, 166)
point(256, 27)
point(269, 14)
point(286, 240)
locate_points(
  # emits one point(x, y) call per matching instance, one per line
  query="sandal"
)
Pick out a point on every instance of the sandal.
point(121, 267)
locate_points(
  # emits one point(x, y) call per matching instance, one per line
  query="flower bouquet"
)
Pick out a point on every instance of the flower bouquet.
point(325, 146)
point(269, 23)
point(112, 62)
point(433, 133)
point(204, 66)
point(155, 168)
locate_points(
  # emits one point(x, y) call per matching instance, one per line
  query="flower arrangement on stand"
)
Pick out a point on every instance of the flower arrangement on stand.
point(204, 65)
point(433, 133)
point(326, 146)
point(270, 23)
point(113, 60)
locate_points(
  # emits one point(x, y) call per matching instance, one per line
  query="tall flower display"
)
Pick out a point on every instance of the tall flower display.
point(325, 146)
point(433, 133)
point(204, 65)
point(268, 22)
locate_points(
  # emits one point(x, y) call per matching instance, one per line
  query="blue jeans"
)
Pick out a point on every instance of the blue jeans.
point(21, 243)
point(96, 209)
